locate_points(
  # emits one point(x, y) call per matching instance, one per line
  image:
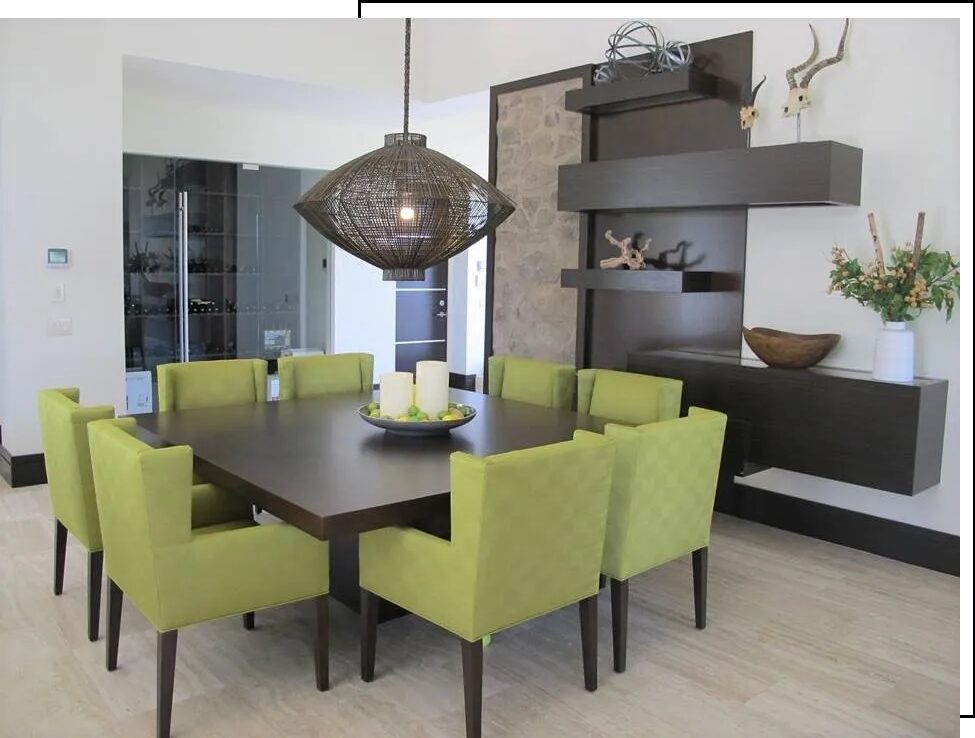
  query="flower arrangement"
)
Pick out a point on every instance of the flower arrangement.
point(916, 277)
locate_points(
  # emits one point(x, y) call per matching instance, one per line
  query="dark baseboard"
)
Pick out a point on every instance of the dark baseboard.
point(911, 544)
point(22, 471)
point(463, 381)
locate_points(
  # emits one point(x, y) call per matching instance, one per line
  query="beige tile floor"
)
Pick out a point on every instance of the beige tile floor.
point(804, 639)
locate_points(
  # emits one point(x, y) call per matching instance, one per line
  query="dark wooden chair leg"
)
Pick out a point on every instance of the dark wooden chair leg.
point(369, 614)
point(602, 581)
point(699, 562)
point(321, 643)
point(620, 598)
point(165, 673)
point(248, 618)
point(472, 656)
point(588, 620)
point(60, 546)
point(95, 560)
point(114, 607)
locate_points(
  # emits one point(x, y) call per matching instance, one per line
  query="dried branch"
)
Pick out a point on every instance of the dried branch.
point(918, 235)
point(877, 248)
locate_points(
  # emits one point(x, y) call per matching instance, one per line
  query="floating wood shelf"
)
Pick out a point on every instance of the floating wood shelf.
point(814, 173)
point(832, 423)
point(646, 280)
point(665, 88)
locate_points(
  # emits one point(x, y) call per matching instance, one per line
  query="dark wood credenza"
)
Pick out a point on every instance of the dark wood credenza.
point(831, 423)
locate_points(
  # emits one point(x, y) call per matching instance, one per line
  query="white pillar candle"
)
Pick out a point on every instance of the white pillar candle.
point(395, 393)
point(432, 382)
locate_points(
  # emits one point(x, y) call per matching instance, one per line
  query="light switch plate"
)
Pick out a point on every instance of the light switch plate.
point(58, 294)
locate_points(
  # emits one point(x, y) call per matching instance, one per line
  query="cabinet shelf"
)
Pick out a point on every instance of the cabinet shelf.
point(654, 90)
point(814, 173)
point(832, 423)
point(646, 280)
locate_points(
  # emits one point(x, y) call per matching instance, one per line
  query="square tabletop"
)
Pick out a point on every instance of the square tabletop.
point(317, 465)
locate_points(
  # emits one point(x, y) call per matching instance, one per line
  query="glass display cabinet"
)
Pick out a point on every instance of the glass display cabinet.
point(217, 264)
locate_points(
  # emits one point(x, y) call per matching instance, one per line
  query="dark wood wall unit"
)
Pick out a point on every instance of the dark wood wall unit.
point(830, 423)
point(645, 280)
point(684, 85)
point(701, 240)
point(813, 173)
point(622, 322)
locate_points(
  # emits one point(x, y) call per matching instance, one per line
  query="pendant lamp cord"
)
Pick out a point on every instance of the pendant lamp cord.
point(406, 82)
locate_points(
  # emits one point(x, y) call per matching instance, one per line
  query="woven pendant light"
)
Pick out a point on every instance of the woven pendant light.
point(404, 207)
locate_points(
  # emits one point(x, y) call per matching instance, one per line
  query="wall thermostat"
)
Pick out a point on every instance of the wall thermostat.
point(57, 257)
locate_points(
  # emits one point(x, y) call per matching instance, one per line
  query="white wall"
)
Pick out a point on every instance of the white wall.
point(60, 137)
point(459, 128)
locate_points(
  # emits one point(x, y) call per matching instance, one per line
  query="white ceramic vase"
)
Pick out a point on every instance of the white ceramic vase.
point(893, 359)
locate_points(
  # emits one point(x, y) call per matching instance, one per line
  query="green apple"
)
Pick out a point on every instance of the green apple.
point(423, 416)
point(372, 406)
point(414, 410)
point(374, 413)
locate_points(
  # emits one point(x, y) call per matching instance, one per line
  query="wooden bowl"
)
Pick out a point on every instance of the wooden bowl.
point(789, 350)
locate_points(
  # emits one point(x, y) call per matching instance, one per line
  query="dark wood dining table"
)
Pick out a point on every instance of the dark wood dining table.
point(317, 465)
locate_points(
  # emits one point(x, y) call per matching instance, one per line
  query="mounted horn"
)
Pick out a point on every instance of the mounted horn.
point(748, 111)
point(790, 74)
point(799, 98)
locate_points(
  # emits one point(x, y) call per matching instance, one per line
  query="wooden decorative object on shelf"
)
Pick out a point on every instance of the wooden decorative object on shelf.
point(630, 257)
point(789, 350)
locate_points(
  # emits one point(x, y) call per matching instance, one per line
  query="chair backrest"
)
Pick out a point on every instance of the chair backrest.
point(531, 380)
point(144, 504)
point(628, 398)
point(211, 383)
point(664, 483)
point(314, 376)
point(529, 527)
point(64, 436)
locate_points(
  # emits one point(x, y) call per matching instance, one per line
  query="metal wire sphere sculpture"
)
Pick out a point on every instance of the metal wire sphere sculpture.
point(404, 207)
point(654, 53)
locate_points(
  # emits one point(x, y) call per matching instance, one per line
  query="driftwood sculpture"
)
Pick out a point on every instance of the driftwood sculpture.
point(630, 257)
point(748, 111)
point(799, 98)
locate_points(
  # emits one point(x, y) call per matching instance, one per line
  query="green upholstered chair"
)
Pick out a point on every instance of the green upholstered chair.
point(526, 538)
point(633, 399)
point(301, 377)
point(64, 437)
point(177, 575)
point(531, 380)
point(660, 509)
point(183, 386)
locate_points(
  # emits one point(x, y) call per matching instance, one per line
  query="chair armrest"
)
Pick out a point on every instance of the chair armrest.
point(421, 573)
point(230, 572)
point(213, 505)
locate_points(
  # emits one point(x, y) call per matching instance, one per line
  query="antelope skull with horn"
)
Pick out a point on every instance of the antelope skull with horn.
point(799, 98)
point(748, 111)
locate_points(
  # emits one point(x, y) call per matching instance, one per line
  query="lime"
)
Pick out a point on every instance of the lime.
point(414, 419)
point(374, 413)
point(372, 406)
point(423, 416)
point(442, 414)
point(387, 417)
point(402, 418)
point(414, 410)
